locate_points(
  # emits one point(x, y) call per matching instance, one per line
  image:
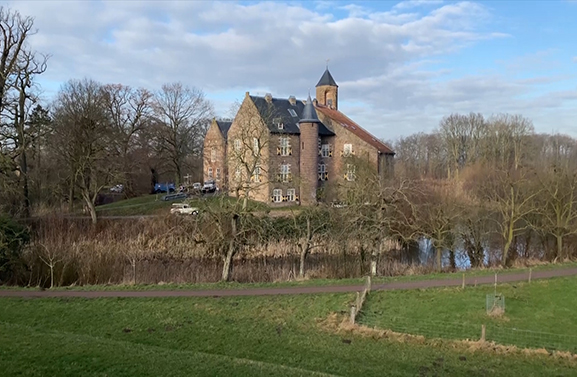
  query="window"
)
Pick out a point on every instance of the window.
point(237, 144)
point(291, 195)
point(350, 174)
point(279, 123)
point(347, 150)
point(217, 173)
point(277, 195)
point(256, 174)
point(237, 173)
point(322, 170)
point(213, 155)
point(255, 146)
point(326, 150)
point(285, 175)
point(292, 113)
point(284, 147)
point(209, 173)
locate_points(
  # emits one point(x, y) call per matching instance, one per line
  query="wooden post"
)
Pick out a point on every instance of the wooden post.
point(463, 285)
point(483, 331)
point(353, 314)
point(368, 283)
point(530, 273)
point(358, 300)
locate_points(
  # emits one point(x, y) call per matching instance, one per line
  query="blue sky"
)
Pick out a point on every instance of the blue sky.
point(400, 65)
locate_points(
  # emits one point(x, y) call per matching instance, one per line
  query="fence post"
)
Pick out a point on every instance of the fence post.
point(353, 314)
point(358, 300)
point(368, 287)
point(463, 285)
point(483, 332)
point(530, 273)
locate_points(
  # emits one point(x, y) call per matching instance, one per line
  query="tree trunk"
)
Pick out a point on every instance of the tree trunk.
point(305, 249)
point(25, 190)
point(439, 255)
point(304, 254)
point(559, 242)
point(91, 208)
point(227, 267)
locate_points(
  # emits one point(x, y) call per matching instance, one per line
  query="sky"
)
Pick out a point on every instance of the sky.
point(400, 65)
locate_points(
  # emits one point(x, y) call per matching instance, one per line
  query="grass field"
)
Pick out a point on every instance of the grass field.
point(250, 336)
point(546, 309)
point(153, 205)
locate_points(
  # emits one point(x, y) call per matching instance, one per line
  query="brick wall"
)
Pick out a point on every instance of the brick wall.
point(214, 140)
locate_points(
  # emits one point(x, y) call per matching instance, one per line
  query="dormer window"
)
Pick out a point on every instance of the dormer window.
point(279, 123)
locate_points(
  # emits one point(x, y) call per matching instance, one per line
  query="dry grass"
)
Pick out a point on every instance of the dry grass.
point(340, 323)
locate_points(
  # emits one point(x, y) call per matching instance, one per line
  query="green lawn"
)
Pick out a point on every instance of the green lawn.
point(531, 310)
point(249, 336)
point(153, 204)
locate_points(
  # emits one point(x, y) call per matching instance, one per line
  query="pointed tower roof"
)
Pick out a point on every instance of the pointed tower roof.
point(309, 113)
point(327, 79)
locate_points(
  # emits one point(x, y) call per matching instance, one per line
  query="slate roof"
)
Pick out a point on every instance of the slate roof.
point(327, 79)
point(309, 113)
point(350, 125)
point(224, 126)
point(278, 109)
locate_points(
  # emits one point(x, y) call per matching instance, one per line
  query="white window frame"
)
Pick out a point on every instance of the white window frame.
point(284, 143)
point(291, 195)
point(325, 150)
point(213, 154)
point(322, 172)
point(256, 174)
point(237, 173)
point(277, 195)
point(255, 146)
point(322, 168)
point(237, 144)
point(209, 173)
point(347, 150)
point(285, 171)
point(350, 174)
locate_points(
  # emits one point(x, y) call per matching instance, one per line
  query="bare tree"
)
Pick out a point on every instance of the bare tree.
point(19, 66)
point(248, 148)
point(182, 116)
point(129, 111)
point(82, 137)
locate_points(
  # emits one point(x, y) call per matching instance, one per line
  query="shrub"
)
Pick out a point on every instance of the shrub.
point(13, 237)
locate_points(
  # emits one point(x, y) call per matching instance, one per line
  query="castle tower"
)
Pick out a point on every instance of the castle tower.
point(309, 134)
point(328, 91)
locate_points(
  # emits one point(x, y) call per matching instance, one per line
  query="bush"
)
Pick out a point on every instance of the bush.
point(13, 237)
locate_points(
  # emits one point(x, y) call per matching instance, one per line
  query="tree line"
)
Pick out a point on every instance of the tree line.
point(90, 135)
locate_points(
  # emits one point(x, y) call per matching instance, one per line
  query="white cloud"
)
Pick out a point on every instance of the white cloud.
point(379, 59)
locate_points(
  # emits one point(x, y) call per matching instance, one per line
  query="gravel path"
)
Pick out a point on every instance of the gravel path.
point(501, 278)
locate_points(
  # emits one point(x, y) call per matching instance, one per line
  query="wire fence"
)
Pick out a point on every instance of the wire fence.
point(507, 336)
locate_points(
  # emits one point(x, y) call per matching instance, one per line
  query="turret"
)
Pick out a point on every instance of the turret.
point(309, 133)
point(328, 91)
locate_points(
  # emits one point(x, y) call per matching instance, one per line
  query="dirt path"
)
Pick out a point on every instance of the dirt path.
point(502, 278)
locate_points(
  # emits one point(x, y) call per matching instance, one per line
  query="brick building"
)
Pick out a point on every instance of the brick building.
point(289, 151)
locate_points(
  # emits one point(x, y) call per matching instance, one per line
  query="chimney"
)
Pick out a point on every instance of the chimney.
point(292, 100)
point(268, 97)
point(246, 94)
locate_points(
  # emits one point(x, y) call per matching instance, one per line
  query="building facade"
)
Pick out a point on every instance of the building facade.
point(289, 151)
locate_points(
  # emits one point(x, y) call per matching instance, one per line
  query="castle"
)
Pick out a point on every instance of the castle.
point(289, 151)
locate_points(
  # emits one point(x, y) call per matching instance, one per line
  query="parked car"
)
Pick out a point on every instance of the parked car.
point(197, 186)
point(117, 188)
point(183, 209)
point(209, 186)
point(164, 187)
